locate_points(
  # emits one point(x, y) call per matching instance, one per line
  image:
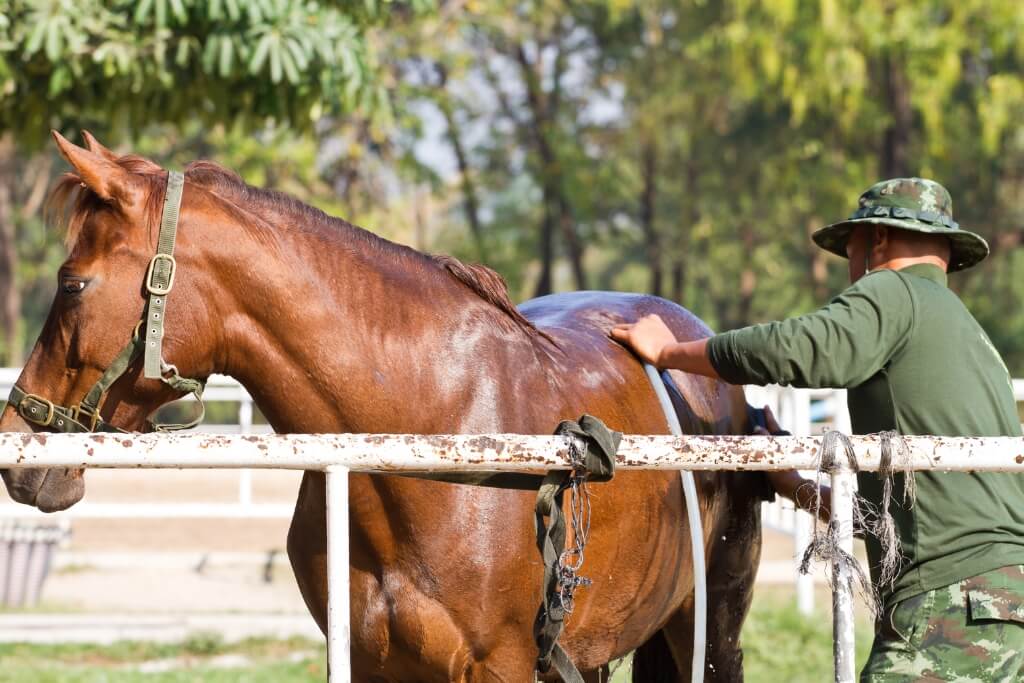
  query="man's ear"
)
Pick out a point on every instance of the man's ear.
point(881, 241)
point(107, 179)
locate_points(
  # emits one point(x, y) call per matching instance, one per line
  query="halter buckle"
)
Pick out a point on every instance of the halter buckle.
point(29, 414)
point(172, 267)
point(93, 416)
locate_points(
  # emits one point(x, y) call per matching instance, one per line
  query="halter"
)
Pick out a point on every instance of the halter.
point(85, 416)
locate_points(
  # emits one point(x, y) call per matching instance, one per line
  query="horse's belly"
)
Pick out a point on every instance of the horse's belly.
point(458, 603)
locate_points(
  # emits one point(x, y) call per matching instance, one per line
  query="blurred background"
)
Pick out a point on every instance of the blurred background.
point(684, 148)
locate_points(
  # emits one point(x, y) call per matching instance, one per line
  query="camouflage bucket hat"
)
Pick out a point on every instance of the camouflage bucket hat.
point(914, 204)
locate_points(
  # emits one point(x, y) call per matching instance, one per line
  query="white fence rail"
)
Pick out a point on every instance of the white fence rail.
point(218, 388)
point(805, 412)
point(802, 411)
point(337, 455)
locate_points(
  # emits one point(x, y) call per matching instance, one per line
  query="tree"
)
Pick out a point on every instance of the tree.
point(117, 66)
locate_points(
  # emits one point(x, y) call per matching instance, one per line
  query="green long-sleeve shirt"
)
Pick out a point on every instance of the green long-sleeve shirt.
point(913, 359)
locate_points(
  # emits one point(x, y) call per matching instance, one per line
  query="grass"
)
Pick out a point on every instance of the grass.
point(779, 645)
point(194, 660)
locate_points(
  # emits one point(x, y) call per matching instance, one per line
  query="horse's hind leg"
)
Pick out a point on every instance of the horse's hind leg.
point(734, 557)
point(732, 571)
point(655, 660)
point(732, 568)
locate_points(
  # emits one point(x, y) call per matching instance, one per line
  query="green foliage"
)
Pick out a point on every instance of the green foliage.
point(764, 121)
point(122, 64)
point(678, 146)
point(780, 644)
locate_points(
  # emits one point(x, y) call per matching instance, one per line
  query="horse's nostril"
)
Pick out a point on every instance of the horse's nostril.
point(60, 490)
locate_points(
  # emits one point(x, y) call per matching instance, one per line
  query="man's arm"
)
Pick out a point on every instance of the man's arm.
point(840, 345)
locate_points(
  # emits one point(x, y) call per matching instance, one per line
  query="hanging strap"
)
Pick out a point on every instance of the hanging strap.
point(594, 462)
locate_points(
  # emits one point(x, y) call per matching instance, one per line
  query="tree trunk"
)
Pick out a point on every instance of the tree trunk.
point(557, 210)
point(648, 197)
point(691, 215)
point(547, 251)
point(567, 222)
point(10, 296)
point(896, 140)
point(470, 201)
point(817, 262)
point(748, 279)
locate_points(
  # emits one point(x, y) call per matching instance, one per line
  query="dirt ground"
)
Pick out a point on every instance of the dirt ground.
point(181, 486)
point(209, 565)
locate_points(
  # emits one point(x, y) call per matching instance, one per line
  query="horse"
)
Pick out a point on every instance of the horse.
point(333, 329)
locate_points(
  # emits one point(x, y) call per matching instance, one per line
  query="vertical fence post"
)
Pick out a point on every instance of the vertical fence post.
point(338, 661)
point(842, 575)
point(245, 427)
point(803, 522)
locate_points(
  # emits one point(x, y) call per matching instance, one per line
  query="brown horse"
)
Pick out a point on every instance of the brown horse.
point(333, 329)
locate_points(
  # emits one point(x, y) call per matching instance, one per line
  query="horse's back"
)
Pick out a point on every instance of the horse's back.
point(580, 323)
point(598, 312)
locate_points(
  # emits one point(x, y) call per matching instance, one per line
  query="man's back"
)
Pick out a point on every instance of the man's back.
point(944, 378)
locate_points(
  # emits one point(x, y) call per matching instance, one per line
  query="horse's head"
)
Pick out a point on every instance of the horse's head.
point(107, 295)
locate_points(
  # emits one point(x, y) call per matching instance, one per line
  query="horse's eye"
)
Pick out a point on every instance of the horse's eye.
point(72, 285)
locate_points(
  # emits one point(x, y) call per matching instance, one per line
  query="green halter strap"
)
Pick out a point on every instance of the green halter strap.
point(85, 417)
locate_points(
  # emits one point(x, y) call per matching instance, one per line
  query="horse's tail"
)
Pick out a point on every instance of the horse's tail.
point(653, 662)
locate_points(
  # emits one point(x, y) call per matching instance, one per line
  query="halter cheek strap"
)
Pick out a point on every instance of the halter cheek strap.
point(85, 416)
point(160, 277)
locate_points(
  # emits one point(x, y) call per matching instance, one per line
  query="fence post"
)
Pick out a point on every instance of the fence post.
point(338, 661)
point(842, 574)
point(803, 522)
point(245, 427)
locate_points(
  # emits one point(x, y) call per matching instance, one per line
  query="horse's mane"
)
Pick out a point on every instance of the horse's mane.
point(76, 203)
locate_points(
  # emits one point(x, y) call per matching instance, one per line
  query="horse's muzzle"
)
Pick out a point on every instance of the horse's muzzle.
point(50, 490)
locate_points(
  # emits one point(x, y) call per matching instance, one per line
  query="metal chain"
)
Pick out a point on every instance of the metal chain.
point(571, 559)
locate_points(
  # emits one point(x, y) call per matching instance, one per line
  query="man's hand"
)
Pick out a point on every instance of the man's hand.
point(773, 425)
point(648, 337)
point(790, 484)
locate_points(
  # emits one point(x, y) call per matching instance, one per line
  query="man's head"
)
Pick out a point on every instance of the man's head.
point(871, 247)
point(900, 222)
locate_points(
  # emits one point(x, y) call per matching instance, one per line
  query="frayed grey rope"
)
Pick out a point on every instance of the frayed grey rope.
point(824, 545)
point(895, 454)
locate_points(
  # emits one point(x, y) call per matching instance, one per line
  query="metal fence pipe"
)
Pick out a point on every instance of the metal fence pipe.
point(338, 611)
point(843, 649)
point(499, 452)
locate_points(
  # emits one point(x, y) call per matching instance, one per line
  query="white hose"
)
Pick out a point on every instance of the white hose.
point(700, 590)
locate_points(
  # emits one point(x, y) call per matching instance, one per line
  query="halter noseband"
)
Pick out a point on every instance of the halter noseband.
point(85, 416)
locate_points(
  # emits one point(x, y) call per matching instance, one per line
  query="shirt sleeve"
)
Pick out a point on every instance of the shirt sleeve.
point(840, 345)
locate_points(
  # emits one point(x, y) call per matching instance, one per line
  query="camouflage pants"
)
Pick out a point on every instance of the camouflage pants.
point(969, 632)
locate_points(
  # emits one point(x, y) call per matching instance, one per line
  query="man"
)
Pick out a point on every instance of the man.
point(914, 360)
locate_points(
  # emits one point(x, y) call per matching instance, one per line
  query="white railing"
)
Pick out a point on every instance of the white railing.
point(793, 408)
point(336, 455)
point(218, 388)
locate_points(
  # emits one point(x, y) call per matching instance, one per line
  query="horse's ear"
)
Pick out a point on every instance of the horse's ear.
point(96, 147)
point(107, 179)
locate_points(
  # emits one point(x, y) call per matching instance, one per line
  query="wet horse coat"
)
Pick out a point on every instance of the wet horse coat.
point(333, 329)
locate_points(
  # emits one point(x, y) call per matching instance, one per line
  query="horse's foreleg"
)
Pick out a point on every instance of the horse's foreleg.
point(307, 545)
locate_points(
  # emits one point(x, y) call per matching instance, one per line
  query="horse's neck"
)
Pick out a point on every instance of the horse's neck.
point(351, 339)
